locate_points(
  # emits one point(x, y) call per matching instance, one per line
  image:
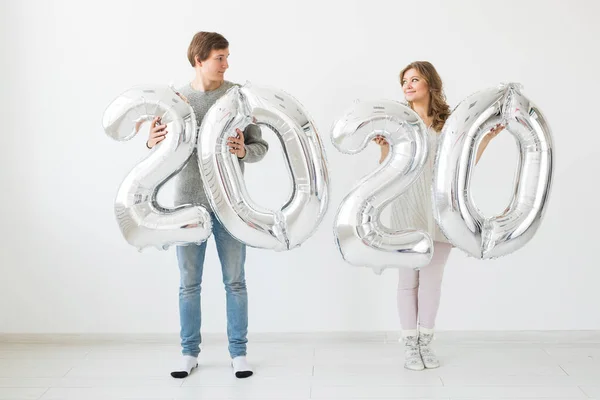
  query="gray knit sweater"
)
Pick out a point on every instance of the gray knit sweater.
point(188, 182)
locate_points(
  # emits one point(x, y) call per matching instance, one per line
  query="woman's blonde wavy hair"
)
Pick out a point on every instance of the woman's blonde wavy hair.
point(438, 108)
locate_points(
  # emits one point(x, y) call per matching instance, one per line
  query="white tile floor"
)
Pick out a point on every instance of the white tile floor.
point(531, 365)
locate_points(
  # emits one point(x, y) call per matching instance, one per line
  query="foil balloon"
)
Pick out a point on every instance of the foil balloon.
point(272, 109)
point(144, 222)
point(459, 219)
point(360, 236)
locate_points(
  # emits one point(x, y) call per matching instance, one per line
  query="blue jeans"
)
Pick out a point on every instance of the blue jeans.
point(232, 255)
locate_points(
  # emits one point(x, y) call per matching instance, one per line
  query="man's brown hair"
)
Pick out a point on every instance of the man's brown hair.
point(203, 43)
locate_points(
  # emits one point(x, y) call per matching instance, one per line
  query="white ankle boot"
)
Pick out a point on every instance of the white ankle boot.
point(412, 355)
point(429, 358)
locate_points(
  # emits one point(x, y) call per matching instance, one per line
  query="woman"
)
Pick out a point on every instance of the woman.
point(419, 291)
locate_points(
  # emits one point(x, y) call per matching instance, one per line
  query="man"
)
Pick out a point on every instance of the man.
point(208, 53)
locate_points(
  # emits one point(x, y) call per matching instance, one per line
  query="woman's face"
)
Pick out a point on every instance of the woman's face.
point(415, 88)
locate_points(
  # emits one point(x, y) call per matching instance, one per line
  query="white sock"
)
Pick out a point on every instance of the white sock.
point(241, 368)
point(187, 364)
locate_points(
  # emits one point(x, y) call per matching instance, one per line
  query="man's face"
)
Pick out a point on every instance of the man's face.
point(215, 65)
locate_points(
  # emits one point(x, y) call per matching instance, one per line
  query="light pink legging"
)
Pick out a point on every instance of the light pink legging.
point(419, 291)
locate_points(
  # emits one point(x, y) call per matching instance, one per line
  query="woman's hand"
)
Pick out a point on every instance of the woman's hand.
point(385, 147)
point(487, 139)
point(494, 131)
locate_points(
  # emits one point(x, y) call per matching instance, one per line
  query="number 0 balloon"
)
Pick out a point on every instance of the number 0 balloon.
point(272, 109)
point(462, 223)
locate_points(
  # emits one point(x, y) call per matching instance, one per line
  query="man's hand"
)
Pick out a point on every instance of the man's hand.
point(157, 133)
point(236, 144)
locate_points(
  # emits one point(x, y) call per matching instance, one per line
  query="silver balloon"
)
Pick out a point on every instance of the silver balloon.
point(361, 237)
point(297, 220)
point(144, 222)
point(458, 217)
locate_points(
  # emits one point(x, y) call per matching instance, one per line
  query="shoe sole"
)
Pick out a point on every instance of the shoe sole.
point(182, 374)
point(243, 374)
point(414, 369)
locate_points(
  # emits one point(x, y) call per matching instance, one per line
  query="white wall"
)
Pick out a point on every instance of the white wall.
point(65, 266)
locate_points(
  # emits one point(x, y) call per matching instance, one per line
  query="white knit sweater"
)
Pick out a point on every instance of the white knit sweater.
point(414, 209)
